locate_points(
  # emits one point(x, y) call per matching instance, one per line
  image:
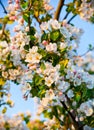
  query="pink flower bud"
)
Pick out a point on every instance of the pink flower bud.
point(17, 1)
point(60, 93)
point(78, 76)
point(12, 18)
point(45, 42)
point(13, 47)
point(75, 72)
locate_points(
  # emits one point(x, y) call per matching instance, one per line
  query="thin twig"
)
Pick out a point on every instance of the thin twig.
point(86, 52)
point(29, 7)
point(3, 7)
point(29, 20)
point(66, 15)
point(72, 18)
point(38, 19)
point(58, 10)
point(2, 104)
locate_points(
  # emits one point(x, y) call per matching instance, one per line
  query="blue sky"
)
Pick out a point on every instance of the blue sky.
point(88, 38)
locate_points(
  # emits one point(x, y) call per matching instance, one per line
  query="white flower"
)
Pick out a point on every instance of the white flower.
point(33, 58)
point(52, 47)
point(44, 26)
point(77, 82)
point(44, 102)
point(54, 24)
point(86, 108)
point(62, 45)
point(65, 32)
point(46, 1)
point(89, 82)
point(69, 75)
point(5, 74)
point(17, 28)
point(49, 123)
point(40, 109)
point(3, 44)
point(48, 81)
point(33, 50)
point(49, 94)
point(36, 58)
point(26, 87)
point(62, 85)
point(55, 76)
point(70, 93)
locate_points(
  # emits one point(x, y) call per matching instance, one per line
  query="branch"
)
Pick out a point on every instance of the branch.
point(77, 125)
point(38, 19)
point(3, 7)
point(2, 104)
point(66, 15)
point(70, 114)
point(58, 10)
point(72, 18)
point(86, 52)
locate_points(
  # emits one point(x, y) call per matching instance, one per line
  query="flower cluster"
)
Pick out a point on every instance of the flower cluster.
point(86, 10)
point(87, 62)
point(44, 64)
point(48, 73)
point(46, 5)
point(8, 69)
point(16, 122)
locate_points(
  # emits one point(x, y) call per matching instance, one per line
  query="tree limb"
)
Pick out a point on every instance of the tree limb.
point(3, 7)
point(77, 125)
point(72, 18)
point(66, 15)
point(86, 52)
point(2, 104)
point(38, 19)
point(58, 10)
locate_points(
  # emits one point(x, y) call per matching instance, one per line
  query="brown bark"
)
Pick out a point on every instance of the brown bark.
point(58, 10)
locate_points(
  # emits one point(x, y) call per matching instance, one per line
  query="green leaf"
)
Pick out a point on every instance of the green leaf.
point(46, 18)
point(90, 121)
point(78, 97)
point(44, 37)
point(7, 126)
point(32, 38)
point(55, 59)
point(41, 93)
point(42, 52)
point(48, 114)
point(42, 66)
point(26, 47)
point(26, 119)
point(25, 17)
point(34, 91)
point(31, 31)
point(70, 7)
point(24, 5)
point(37, 79)
point(4, 110)
point(0, 26)
point(62, 69)
point(55, 36)
point(77, 3)
point(35, 128)
point(91, 47)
